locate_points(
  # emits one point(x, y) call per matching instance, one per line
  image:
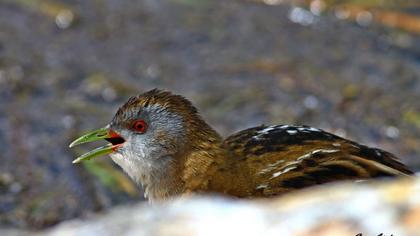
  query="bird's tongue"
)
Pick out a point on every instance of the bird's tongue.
point(101, 134)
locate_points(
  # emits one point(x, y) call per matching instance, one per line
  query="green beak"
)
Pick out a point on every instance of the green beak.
point(100, 134)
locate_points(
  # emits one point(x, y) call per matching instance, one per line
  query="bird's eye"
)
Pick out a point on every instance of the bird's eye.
point(139, 126)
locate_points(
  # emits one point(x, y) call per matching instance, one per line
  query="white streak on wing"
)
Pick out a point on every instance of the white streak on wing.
point(291, 165)
point(308, 129)
point(316, 151)
point(302, 129)
point(325, 151)
point(336, 144)
point(355, 146)
point(277, 174)
point(260, 133)
point(314, 129)
point(262, 186)
point(266, 130)
point(271, 167)
point(304, 156)
point(285, 127)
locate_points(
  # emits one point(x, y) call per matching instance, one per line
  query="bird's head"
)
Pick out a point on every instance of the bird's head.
point(149, 132)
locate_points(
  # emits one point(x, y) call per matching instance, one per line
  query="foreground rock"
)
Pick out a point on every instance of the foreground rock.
point(390, 207)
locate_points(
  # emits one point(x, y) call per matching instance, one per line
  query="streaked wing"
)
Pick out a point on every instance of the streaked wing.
point(285, 157)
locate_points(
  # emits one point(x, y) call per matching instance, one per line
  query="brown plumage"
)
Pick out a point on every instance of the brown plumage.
point(180, 154)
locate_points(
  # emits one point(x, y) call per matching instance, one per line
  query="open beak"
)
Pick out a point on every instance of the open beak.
point(104, 133)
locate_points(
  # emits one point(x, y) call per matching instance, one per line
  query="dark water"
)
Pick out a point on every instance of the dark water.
point(242, 63)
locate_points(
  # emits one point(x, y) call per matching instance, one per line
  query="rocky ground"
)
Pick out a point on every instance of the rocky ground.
point(66, 66)
point(387, 208)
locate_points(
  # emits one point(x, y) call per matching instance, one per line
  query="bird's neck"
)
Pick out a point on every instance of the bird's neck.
point(187, 170)
point(200, 164)
point(204, 166)
point(203, 157)
point(210, 167)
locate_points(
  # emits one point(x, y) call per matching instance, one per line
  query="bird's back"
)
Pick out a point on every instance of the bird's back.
point(283, 158)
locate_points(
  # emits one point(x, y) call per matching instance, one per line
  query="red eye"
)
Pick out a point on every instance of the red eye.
point(139, 126)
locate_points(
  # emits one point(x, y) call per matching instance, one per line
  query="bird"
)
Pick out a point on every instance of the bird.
point(164, 145)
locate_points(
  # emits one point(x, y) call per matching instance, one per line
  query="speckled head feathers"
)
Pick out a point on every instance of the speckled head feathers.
point(167, 100)
point(196, 129)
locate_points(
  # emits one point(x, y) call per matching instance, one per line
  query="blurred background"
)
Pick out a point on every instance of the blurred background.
point(349, 67)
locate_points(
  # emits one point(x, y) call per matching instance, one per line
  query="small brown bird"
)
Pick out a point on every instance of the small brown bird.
point(162, 143)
